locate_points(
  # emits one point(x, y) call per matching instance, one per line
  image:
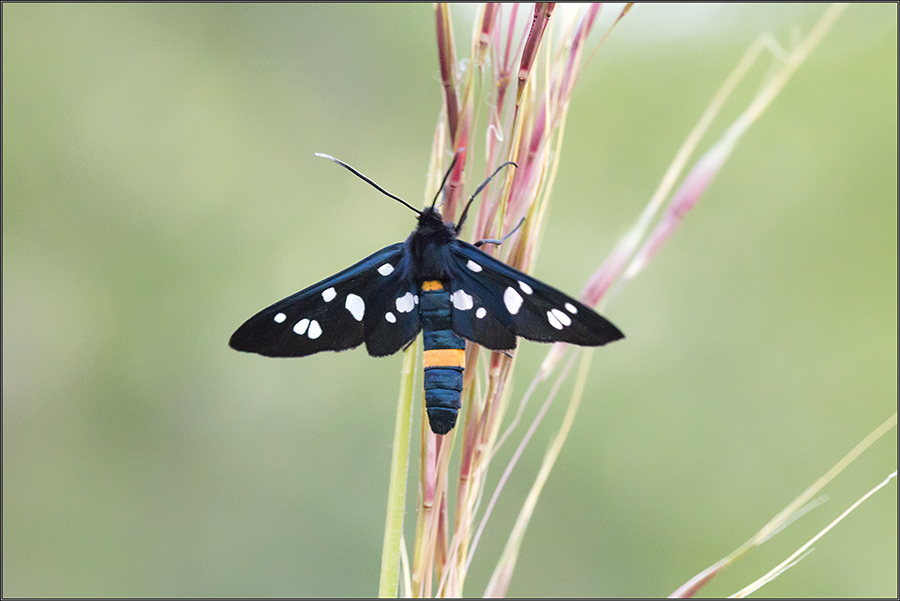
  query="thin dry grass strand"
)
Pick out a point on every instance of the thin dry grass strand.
point(804, 550)
point(518, 454)
point(786, 515)
point(708, 166)
point(405, 572)
point(532, 386)
point(499, 582)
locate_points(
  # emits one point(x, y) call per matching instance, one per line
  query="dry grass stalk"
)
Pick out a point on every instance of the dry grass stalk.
point(526, 128)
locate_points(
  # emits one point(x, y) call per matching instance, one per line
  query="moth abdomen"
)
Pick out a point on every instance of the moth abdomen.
point(444, 358)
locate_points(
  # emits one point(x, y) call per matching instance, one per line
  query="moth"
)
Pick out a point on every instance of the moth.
point(434, 282)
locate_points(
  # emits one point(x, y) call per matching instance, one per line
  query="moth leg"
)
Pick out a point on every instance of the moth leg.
point(501, 240)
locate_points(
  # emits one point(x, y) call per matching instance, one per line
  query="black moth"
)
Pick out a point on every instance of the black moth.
point(433, 282)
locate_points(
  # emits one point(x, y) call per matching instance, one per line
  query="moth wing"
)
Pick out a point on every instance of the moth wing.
point(331, 315)
point(392, 312)
point(504, 298)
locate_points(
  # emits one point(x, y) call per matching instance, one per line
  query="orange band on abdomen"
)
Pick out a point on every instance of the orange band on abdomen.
point(444, 357)
point(432, 285)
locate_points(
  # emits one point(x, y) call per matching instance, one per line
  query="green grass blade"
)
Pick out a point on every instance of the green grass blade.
point(393, 528)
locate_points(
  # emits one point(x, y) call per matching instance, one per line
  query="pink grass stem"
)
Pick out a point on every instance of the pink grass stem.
point(447, 59)
point(542, 12)
point(684, 199)
point(488, 23)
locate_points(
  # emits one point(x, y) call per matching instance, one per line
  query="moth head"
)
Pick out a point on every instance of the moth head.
point(431, 223)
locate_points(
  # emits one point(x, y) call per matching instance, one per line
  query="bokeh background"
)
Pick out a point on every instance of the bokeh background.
point(159, 187)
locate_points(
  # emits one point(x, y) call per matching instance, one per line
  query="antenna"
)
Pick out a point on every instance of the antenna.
point(447, 175)
point(370, 182)
point(478, 190)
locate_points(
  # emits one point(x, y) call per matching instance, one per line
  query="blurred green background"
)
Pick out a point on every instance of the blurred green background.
point(159, 187)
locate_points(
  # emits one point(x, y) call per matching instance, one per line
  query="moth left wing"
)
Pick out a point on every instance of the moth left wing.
point(339, 313)
point(493, 303)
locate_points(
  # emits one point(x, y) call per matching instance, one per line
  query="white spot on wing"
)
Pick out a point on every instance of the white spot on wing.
point(390, 317)
point(300, 326)
point(461, 300)
point(473, 266)
point(553, 321)
point(561, 317)
point(356, 306)
point(571, 308)
point(280, 318)
point(512, 300)
point(406, 302)
point(328, 295)
point(480, 312)
point(315, 330)
point(525, 287)
point(386, 269)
